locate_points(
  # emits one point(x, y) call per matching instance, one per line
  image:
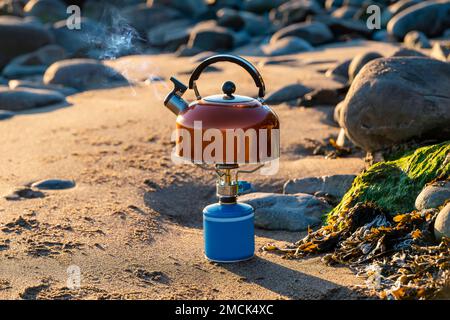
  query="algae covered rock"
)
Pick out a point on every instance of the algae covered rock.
point(394, 185)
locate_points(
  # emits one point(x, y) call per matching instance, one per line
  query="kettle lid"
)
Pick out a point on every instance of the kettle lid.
point(228, 89)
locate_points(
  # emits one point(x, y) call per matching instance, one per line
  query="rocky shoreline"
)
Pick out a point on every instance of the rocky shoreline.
point(387, 99)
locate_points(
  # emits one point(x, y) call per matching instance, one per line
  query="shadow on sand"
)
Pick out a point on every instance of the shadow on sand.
point(288, 282)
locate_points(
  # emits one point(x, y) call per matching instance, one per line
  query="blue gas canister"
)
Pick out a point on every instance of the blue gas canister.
point(229, 232)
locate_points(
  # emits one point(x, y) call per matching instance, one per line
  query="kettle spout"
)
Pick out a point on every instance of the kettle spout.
point(173, 101)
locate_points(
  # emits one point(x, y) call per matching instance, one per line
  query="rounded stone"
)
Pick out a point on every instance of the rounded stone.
point(442, 223)
point(433, 196)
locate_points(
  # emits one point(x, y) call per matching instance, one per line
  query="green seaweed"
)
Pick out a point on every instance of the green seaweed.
point(394, 185)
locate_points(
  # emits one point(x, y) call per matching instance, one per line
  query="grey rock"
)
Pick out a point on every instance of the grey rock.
point(24, 98)
point(144, 17)
point(337, 112)
point(430, 17)
point(286, 212)
point(34, 62)
point(11, 8)
point(442, 223)
point(255, 25)
point(433, 195)
point(404, 52)
point(192, 8)
point(288, 45)
point(67, 91)
point(340, 71)
point(396, 99)
point(441, 52)
point(186, 51)
point(446, 34)
point(21, 193)
point(208, 36)
point(19, 36)
point(344, 27)
point(345, 12)
point(46, 10)
point(334, 185)
point(313, 32)
point(395, 8)
point(322, 96)
point(260, 6)
point(79, 42)
point(230, 18)
point(359, 62)
point(294, 11)
point(342, 140)
point(333, 4)
point(4, 114)
point(383, 36)
point(241, 38)
point(416, 40)
point(287, 93)
point(170, 35)
point(54, 184)
point(82, 74)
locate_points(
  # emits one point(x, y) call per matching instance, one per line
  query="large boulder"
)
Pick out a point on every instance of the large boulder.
point(208, 36)
point(397, 99)
point(46, 10)
point(442, 223)
point(82, 74)
point(433, 195)
point(313, 32)
point(34, 62)
point(335, 185)
point(19, 36)
point(288, 45)
point(430, 17)
point(286, 212)
point(24, 98)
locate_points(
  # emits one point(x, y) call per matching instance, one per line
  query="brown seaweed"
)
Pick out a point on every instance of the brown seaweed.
point(399, 256)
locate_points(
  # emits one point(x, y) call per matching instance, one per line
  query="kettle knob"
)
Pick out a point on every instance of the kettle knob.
point(228, 88)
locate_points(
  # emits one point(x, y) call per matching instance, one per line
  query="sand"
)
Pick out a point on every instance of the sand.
point(133, 222)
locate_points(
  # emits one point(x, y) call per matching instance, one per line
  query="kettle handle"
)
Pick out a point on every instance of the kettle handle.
point(230, 58)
